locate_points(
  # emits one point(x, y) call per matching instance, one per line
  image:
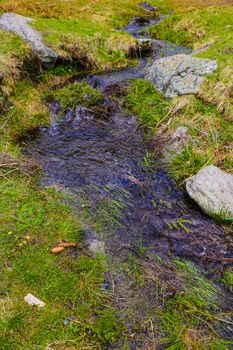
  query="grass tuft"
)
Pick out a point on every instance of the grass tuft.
point(147, 103)
point(78, 94)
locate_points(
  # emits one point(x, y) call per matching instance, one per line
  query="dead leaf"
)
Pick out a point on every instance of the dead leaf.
point(67, 245)
point(57, 250)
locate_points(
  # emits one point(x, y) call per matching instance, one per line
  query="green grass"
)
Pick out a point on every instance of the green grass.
point(32, 222)
point(28, 110)
point(188, 163)
point(147, 103)
point(13, 52)
point(78, 94)
point(93, 45)
point(210, 131)
point(35, 220)
point(188, 319)
point(199, 27)
point(211, 137)
point(208, 29)
point(227, 279)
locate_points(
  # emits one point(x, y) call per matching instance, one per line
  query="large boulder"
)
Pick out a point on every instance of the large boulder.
point(20, 25)
point(180, 74)
point(212, 189)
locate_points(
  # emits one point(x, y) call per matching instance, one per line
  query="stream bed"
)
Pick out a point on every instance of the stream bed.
point(101, 158)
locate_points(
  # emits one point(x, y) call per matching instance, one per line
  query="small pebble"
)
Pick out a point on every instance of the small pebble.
point(68, 320)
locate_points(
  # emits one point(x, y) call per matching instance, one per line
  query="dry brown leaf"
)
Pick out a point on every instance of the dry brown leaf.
point(67, 245)
point(57, 250)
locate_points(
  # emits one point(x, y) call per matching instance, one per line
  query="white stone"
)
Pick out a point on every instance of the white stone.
point(32, 300)
point(212, 190)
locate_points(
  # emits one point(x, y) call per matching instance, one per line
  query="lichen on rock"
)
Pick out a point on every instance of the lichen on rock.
point(180, 74)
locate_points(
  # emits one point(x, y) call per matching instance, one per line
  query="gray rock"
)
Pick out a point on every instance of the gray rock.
point(20, 25)
point(176, 143)
point(212, 189)
point(180, 74)
point(68, 320)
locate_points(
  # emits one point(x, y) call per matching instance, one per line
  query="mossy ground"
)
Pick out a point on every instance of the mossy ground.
point(33, 220)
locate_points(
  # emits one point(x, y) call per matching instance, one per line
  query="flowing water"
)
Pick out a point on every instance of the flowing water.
point(101, 157)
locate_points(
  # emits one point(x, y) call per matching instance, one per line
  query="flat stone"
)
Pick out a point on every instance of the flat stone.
point(32, 300)
point(20, 25)
point(212, 190)
point(180, 74)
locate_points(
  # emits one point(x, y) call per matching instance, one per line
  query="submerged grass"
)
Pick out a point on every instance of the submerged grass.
point(182, 316)
point(191, 318)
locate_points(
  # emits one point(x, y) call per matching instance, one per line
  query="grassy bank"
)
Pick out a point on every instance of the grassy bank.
point(70, 284)
point(210, 131)
point(208, 116)
point(80, 313)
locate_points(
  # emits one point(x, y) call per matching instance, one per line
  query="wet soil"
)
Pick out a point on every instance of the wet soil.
point(100, 155)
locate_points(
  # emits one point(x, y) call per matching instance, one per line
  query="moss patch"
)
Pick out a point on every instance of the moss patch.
point(78, 94)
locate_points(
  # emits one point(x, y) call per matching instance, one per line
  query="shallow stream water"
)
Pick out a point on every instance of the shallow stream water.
point(101, 158)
